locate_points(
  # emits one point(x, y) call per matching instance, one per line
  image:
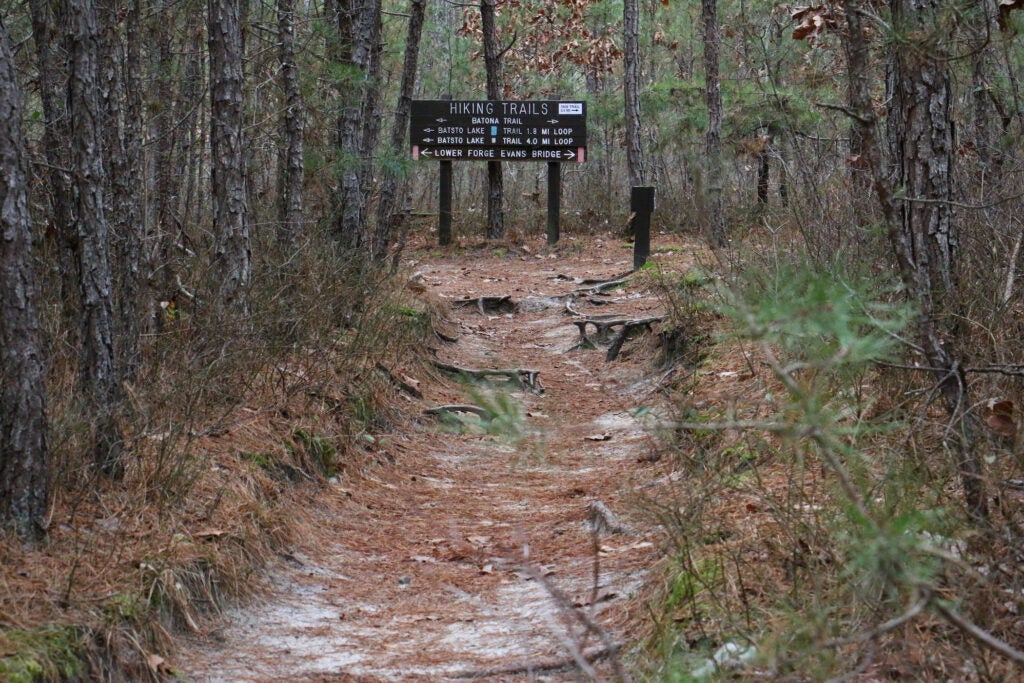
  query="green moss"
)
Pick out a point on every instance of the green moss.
point(49, 653)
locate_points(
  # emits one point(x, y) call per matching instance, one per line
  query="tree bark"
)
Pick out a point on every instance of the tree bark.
point(120, 65)
point(292, 173)
point(392, 190)
point(99, 370)
point(492, 64)
point(713, 89)
point(231, 264)
point(923, 231)
point(23, 453)
point(631, 89)
point(52, 65)
point(359, 29)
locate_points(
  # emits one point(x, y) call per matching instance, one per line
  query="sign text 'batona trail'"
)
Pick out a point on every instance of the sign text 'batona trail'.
point(493, 130)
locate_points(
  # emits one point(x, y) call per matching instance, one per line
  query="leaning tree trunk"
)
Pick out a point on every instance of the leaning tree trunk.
point(631, 88)
point(231, 264)
point(713, 91)
point(923, 230)
point(392, 192)
point(292, 175)
point(100, 374)
point(492, 64)
point(23, 456)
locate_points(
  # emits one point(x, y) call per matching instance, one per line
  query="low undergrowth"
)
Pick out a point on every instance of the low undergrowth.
point(231, 426)
point(816, 526)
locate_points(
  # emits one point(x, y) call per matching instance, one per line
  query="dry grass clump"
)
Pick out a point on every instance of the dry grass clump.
point(232, 427)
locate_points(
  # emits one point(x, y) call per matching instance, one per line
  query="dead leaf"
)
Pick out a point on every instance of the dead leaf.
point(999, 417)
point(157, 664)
point(598, 437)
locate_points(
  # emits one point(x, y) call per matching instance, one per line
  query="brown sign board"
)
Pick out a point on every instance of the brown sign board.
point(498, 130)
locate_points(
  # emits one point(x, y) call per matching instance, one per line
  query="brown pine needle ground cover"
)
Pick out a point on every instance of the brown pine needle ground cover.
point(286, 475)
point(469, 552)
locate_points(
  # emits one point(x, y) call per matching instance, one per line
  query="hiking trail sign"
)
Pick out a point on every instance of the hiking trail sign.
point(499, 130)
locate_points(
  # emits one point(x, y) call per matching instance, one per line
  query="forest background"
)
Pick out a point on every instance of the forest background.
point(193, 191)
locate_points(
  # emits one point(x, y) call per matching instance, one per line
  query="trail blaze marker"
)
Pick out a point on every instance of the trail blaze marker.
point(552, 131)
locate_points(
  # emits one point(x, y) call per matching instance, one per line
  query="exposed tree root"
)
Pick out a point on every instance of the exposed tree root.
point(601, 287)
point(605, 332)
point(488, 304)
point(457, 408)
point(399, 382)
point(542, 666)
point(523, 376)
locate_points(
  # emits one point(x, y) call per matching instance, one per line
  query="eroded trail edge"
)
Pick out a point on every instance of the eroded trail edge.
point(471, 552)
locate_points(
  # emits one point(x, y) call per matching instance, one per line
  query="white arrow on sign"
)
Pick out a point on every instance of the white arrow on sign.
point(440, 120)
point(552, 121)
point(427, 153)
point(570, 154)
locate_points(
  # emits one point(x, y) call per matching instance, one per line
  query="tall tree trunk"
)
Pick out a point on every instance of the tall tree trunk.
point(713, 88)
point(858, 94)
point(51, 63)
point(99, 370)
point(122, 110)
point(392, 191)
point(23, 454)
point(161, 263)
point(372, 49)
point(631, 88)
point(231, 265)
point(922, 230)
point(492, 64)
point(359, 29)
point(292, 175)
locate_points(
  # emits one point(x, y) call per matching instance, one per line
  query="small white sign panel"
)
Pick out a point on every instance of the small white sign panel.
point(570, 108)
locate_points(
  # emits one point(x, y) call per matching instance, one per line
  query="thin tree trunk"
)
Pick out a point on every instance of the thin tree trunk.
point(100, 373)
point(631, 88)
point(764, 168)
point(713, 88)
point(372, 49)
point(231, 265)
point(393, 189)
point(23, 453)
point(492, 64)
point(292, 176)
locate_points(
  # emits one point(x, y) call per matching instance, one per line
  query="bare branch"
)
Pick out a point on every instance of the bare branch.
point(979, 634)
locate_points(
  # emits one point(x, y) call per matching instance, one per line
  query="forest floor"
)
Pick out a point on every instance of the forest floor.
point(469, 552)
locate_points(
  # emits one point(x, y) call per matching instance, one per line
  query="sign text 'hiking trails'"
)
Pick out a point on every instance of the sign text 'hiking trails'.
point(497, 130)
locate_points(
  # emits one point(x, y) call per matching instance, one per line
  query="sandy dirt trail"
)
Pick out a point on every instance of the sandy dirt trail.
point(443, 558)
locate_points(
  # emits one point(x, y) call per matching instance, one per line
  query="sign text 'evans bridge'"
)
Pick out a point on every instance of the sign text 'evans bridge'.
point(482, 130)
